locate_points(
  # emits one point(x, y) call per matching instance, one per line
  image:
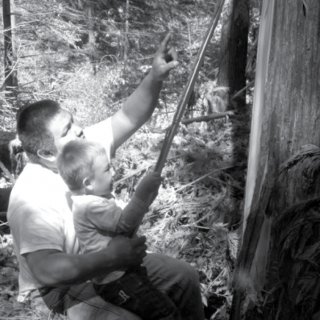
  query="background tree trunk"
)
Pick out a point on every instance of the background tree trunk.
point(126, 34)
point(234, 44)
point(10, 70)
point(286, 117)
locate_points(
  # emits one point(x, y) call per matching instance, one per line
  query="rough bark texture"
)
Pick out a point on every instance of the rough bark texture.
point(286, 187)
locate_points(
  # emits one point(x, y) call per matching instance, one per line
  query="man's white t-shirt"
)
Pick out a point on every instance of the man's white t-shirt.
point(39, 212)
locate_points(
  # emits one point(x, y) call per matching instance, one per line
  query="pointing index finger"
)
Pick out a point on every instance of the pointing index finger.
point(164, 43)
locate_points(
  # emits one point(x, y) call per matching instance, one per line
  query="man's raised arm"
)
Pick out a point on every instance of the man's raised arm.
point(141, 103)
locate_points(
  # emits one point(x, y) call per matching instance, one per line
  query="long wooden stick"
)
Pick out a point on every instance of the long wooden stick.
point(187, 92)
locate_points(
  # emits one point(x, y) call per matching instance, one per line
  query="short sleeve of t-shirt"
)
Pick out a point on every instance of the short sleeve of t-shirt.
point(38, 231)
point(101, 132)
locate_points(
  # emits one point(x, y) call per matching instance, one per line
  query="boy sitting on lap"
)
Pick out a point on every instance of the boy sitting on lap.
point(87, 171)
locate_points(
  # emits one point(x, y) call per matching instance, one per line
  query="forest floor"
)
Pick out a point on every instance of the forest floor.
point(195, 217)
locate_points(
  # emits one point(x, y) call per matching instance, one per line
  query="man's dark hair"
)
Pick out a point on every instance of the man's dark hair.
point(32, 127)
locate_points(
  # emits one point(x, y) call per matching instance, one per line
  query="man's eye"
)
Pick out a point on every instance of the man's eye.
point(65, 133)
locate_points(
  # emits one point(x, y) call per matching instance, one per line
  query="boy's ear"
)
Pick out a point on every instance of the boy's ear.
point(87, 184)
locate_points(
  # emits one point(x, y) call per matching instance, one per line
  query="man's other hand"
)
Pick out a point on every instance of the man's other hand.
point(128, 251)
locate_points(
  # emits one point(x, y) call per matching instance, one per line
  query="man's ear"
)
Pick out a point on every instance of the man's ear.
point(87, 184)
point(47, 156)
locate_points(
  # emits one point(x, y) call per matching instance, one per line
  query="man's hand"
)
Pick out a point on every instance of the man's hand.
point(147, 189)
point(164, 61)
point(129, 252)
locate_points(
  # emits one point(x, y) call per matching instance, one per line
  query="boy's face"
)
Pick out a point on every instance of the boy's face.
point(102, 180)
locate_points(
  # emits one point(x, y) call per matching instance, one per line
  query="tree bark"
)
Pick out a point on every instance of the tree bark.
point(284, 188)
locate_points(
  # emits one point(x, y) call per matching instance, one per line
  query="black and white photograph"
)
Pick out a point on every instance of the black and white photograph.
point(160, 160)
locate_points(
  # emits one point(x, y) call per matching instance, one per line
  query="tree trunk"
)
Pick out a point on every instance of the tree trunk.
point(280, 249)
point(90, 10)
point(126, 34)
point(234, 43)
point(10, 71)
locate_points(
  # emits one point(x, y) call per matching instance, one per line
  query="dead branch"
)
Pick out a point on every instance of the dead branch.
point(237, 94)
point(204, 176)
point(209, 117)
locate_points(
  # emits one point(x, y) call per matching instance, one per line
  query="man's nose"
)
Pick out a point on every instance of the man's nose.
point(78, 131)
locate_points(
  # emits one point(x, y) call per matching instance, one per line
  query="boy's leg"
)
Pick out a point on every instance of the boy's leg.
point(134, 292)
point(179, 281)
point(95, 308)
point(81, 302)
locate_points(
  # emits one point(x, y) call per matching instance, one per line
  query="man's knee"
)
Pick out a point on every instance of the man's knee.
point(169, 274)
point(190, 274)
point(185, 274)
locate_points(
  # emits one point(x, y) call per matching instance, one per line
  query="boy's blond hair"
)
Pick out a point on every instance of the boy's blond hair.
point(76, 160)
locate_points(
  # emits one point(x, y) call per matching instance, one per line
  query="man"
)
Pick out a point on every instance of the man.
point(41, 223)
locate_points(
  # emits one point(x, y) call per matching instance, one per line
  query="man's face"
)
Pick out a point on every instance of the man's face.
point(102, 178)
point(63, 129)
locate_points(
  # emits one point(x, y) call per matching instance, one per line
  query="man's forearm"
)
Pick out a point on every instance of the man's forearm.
point(141, 103)
point(136, 110)
point(53, 268)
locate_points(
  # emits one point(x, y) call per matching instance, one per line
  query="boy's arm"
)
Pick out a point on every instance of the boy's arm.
point(134, 212)
point(54, 268)
point(140, 104)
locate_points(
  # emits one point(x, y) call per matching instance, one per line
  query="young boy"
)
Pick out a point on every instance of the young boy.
point(87, 171)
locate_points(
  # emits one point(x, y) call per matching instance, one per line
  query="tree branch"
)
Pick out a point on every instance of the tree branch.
point(209, 117)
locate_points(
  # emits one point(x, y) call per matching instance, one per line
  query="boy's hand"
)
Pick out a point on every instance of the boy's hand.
point(164, 60)
point(147, 189)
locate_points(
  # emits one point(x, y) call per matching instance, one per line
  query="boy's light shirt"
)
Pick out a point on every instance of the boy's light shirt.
point(96, 220)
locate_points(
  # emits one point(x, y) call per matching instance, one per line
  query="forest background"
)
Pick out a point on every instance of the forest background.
point(89, 56)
